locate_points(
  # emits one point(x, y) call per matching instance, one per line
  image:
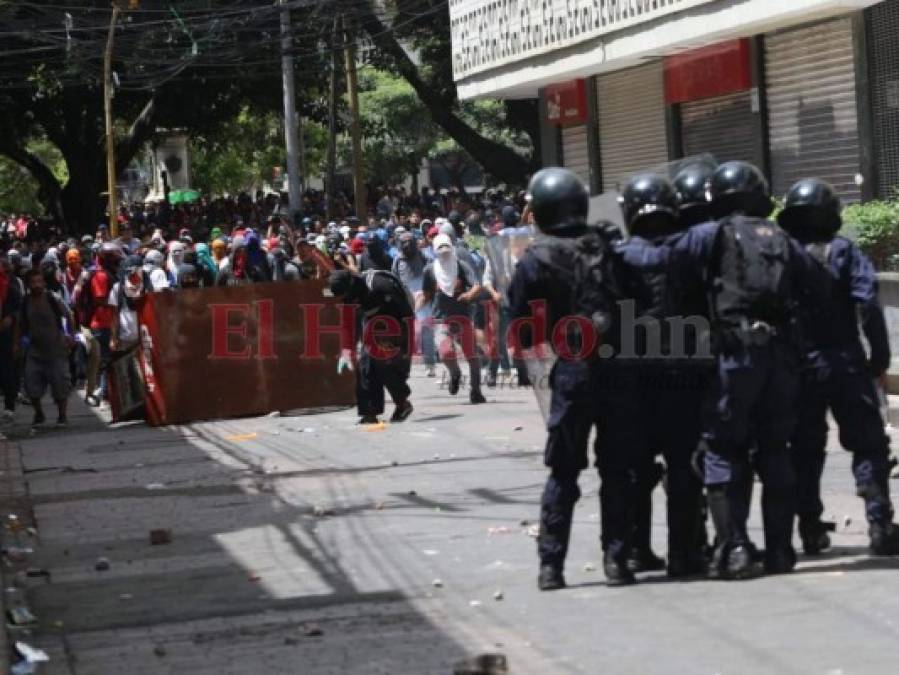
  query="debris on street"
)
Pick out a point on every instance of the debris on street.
point(160, 536)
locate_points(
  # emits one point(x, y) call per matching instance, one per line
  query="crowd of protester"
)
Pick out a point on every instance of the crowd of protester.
point(69, 301)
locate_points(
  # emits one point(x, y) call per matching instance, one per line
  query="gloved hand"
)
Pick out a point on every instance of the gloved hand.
point(345, 362)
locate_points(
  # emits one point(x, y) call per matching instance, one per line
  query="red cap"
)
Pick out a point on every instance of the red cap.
point(357, 246)
point(433, 232)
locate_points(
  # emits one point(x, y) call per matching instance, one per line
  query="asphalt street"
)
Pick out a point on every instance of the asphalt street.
point(308, 544)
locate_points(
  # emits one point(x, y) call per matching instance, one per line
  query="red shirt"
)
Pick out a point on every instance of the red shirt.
point(101, 286)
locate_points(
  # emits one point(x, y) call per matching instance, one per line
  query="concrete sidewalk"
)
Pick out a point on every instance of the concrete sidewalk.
point(310, 545)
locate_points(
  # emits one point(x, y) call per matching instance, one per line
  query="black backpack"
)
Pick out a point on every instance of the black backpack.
point(401, 298)
point(590, 267)
point(753, 278)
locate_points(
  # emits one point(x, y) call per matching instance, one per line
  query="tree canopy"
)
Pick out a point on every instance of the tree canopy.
point(211, 68)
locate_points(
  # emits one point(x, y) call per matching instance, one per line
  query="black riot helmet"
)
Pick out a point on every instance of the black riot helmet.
point(559, 199)
point(691, 184)
point(649, 205)
point(811, 211)
point(739, 187)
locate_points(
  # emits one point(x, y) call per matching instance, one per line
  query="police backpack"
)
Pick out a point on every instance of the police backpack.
point(589, 266)
point(752, 282)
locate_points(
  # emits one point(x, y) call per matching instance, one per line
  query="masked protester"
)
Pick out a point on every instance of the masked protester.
point(94, 303)
point(188, 276)
point(132, 286)
point(450, 285)
point(219, 252)
point(259, 265)
point(375, 256)
point(385, 362)
point(409, 267)
point(206, 265)
point(153, 262)
point(74, 270)
point(176, 257)
point(46, 325)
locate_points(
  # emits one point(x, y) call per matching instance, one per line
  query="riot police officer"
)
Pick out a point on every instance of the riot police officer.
point(754, 276)
point(583, 388)
point(671, 376)
point(837, 375)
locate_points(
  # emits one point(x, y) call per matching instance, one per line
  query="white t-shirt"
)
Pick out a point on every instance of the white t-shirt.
point(128, 331)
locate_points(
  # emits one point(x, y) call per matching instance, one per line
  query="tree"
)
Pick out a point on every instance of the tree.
point(172, 74)
point(397, 129)
point(424, 25)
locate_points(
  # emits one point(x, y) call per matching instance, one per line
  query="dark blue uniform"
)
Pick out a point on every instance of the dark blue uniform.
point(672, 376)
point(837, 375)
point(752, 400)
point(584, 394)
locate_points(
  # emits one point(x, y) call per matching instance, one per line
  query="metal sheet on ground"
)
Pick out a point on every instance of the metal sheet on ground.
point(263, 364)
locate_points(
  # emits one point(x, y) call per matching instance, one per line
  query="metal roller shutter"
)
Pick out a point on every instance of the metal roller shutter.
point(812, 108)
point(575, 153)
point(883, 44)
point(724, 126)
point(632, 130)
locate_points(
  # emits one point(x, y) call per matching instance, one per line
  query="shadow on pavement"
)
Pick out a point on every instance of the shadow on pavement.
point(250, 582)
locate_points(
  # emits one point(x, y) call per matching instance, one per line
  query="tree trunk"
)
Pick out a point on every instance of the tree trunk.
point(500, 161)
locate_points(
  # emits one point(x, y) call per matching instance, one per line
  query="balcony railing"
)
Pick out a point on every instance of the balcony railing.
point(487, 34)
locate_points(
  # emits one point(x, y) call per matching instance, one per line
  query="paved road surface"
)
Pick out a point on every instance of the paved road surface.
point(284, 527)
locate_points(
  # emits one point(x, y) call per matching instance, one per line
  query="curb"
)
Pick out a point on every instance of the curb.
point(14, 499)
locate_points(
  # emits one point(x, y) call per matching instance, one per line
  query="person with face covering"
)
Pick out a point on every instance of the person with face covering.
point(189, 276)
point(409, 267)
point(258, 262)
point(386, 361)
point(133, 284)
point(219, 252)
point(74, 270)
point(159, 280)
point(176, 257)
point(236, 271)
point(206, 265)
point(450, 285)
point(375, 256)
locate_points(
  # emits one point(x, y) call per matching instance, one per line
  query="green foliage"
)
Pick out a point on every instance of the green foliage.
point(19, 191)
point(397, 128)
point(875, 228)
point(239, 156)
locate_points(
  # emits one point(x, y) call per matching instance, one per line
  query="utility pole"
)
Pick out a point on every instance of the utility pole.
point(331, 168)
point(355, 129)
point(294, 190)
point(110, 130)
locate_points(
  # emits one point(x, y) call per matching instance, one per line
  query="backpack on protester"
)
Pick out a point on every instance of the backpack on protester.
point(753, 282)
point(402, 297)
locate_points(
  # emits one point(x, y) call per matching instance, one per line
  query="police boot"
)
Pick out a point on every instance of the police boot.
point(642, 558)
point(617, 572)
point(813, 533)
point(550, 578)
point(731, 559)
point(884, 539)
point(686, 563)
point(879, 510)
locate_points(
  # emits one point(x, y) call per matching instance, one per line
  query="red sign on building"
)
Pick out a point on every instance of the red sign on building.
point(715, 70)
point(566, 103)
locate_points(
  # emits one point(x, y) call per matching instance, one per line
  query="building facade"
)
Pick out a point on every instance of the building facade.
point(798, 87)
